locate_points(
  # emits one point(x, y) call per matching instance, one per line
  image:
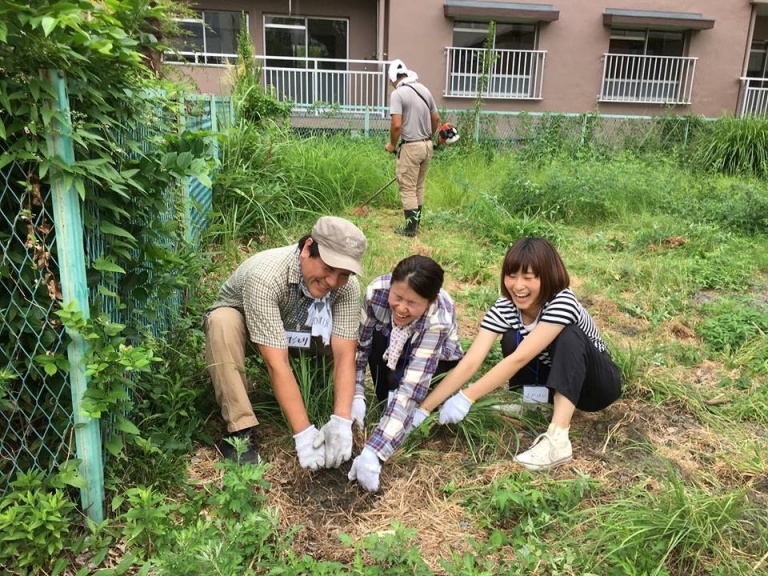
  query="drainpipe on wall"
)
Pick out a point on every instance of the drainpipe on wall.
point(745, 64)
point(381, 29)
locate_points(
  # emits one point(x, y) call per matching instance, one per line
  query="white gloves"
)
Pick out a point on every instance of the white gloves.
point(358, 410)
point(309, 447)
point(366, 469)
point(338, 441)
point(455, 408)
point(419, 415)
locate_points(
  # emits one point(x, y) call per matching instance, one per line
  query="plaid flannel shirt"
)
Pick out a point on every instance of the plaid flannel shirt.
point(435, 338)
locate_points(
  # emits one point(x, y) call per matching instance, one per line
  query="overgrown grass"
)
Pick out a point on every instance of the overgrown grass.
point(672, 263)
point(734, 146)
point(670, 527)
point(272, 179)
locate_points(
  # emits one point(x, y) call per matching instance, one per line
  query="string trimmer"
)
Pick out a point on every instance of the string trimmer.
point(362, 208)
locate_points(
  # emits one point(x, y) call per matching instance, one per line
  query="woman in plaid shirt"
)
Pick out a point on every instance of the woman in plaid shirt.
point(408, 335)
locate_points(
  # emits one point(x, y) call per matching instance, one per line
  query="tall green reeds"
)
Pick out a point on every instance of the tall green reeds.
point(672, 528)
point(734, 146)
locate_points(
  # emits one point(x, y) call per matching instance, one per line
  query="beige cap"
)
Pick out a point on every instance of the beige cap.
point(340, 242)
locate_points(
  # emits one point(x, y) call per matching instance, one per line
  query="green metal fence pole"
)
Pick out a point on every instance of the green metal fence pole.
point(69, 243)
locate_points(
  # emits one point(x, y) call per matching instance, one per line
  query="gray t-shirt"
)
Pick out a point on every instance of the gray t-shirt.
point(417, 117)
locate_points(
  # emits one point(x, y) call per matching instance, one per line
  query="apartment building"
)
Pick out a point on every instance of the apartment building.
point(626, 57)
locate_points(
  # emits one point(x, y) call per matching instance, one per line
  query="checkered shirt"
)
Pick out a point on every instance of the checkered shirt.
point(435, 338)
point(265, 288)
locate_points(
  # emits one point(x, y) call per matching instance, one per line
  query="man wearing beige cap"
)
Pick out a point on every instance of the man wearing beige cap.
point(291, 299)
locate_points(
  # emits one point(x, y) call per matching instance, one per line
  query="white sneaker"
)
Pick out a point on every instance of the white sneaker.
point(545, 453)
point(520, 408)
point(514, 408)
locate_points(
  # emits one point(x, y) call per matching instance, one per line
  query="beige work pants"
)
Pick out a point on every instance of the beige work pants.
point(412, 166)
point(226, 340)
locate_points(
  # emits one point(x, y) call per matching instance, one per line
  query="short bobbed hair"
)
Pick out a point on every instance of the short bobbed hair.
point(540, 257)
point(422, 274)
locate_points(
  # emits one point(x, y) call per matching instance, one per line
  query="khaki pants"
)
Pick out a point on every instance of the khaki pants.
point(226, 339)
point(412, 166)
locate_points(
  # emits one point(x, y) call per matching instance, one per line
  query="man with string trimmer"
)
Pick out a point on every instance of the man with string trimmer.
point(414, 121)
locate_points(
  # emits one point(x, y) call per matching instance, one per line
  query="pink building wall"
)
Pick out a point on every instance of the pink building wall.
point(418, 32)
point(575, 44)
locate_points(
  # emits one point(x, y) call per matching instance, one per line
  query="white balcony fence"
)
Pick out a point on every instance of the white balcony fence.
point(325, 83)
point(513, 75)
point(647, 79)
point(201, 58)
point(754, 97)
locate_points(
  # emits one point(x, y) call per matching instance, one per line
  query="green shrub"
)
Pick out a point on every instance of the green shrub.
point(35, 519)
point(252, 102)
point(730, 322)
point(389, 553)
point(734, 146)
point(735, 204)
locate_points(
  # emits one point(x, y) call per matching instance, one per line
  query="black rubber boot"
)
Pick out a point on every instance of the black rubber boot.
point(250, 454)
point(411, 224)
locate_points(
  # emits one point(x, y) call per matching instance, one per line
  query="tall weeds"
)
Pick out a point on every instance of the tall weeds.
point(734, 146)
point(671, 528)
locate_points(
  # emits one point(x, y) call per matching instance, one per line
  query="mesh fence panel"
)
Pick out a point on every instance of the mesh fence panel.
point(35, 407)
point(36, 424)
point(518, 130)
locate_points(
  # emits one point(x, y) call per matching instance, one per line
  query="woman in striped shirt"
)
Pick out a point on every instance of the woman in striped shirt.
point(547, 339)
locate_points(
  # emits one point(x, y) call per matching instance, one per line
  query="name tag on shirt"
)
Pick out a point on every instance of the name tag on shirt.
point(298, 339)
point(535, 394)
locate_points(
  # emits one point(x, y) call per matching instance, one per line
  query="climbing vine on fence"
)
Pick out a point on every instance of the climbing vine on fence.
point(130, 160)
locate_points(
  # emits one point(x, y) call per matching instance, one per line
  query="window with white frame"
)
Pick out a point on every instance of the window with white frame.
point(515, 59)
point(209, 38)
point(306, 59)
point(291, 40)
point(647, 42)
point(757, 67)
point(644, 65)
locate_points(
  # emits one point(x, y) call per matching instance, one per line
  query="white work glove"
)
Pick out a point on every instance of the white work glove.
point(309, 448)
point(455, 409)
point(358, 410)
point(366, 469)
point(338, 441)
point(419, 415)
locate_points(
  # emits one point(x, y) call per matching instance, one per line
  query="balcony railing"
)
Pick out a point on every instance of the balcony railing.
point(513, 74)
point(647, 79)
point(204, 58)
point(325, 83)
point(754, 97)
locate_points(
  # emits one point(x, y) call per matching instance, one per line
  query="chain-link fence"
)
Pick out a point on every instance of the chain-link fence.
point(35, 409)
point(41, 425)
point(545, 131)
